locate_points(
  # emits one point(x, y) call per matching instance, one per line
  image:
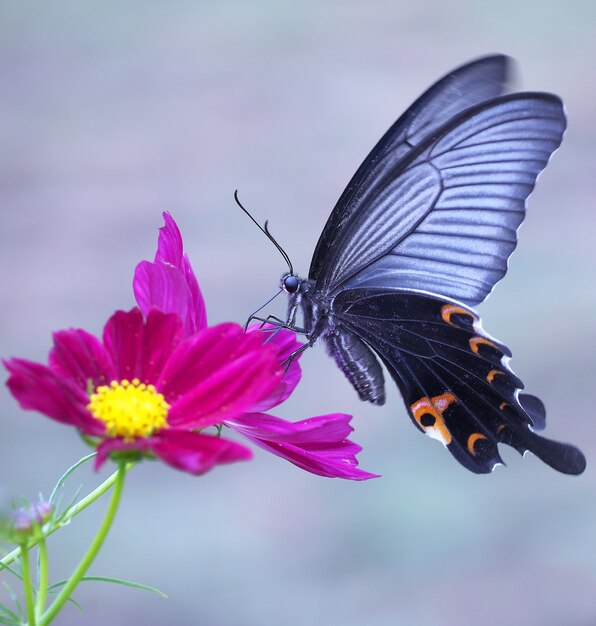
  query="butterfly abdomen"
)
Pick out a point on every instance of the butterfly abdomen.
point(354, 358)
point(358, 363)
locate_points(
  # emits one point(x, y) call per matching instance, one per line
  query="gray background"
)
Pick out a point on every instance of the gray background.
point(112, 112)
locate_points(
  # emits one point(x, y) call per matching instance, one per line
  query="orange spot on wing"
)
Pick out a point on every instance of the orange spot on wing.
point(503, 405)
point(434, 406)
point(501, 426)
point(491, 375)
point(447, 310)
point(472, 439)
point(443, 401)
point(477, 341)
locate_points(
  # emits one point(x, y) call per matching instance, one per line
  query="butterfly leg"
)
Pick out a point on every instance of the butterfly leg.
point(276, 324)
point(273, 321)
point(254, 318)
point(288, 361)
point(254, 314)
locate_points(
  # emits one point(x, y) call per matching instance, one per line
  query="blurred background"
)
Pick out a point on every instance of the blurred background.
point(111, 113)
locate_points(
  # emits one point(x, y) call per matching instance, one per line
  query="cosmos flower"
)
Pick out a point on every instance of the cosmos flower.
point(144, 388)
point(159, 377)
point(318, 444)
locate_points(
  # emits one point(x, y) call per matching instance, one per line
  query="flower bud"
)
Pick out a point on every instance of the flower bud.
point(41, 512)
point(22, 523)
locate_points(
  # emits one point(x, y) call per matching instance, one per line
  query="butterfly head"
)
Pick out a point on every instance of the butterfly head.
point(290, 283)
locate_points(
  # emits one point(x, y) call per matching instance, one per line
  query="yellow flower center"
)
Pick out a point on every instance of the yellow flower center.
point(129, 409)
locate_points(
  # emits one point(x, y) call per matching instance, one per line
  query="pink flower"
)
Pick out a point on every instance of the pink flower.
point(318, 444)
point(159, 377)
point(145, 389)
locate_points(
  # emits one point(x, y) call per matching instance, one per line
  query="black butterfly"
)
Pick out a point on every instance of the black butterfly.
point(422, 233)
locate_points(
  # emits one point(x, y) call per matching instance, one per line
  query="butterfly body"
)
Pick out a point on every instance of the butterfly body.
point(421, 235)
point(352, 355)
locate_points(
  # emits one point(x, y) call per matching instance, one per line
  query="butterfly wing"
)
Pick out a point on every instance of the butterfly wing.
point(461, 89)
point(444, 218)
point(454, 378)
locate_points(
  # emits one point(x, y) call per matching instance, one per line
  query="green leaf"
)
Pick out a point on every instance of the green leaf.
point(15, 599)
point(13, 571)
point(76, 604)
point(67, 473)
point(71, 600)
point(117, 581)
point(8, 617)
point(70, 504)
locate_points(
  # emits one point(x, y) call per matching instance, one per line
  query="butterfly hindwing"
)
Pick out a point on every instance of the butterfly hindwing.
point(454, 378)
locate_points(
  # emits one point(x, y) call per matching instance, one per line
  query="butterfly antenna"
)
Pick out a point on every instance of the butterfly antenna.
point(266, 232)
point(282, 251)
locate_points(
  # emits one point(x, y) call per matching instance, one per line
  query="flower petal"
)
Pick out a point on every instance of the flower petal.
point(123, 337)
point(140, 349)
point(169, 283)
point(318, 444)
point(170, 250)
point(82, 358)
point(107, 446)
point(163, 287)
point(197, 453)
point(169, 242)
point(199, 309)
point(163, 334)
point(191, 452)
point(285, 342)
point(219, 373)
point(37, 388)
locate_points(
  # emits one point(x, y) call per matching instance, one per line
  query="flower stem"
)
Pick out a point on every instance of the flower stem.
point(71, 512)
point(42, 591)
point(27, 588)
point(91, 553)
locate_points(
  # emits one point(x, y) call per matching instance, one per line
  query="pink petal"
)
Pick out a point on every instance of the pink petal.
point(37, 388)
point(163, 334)
point(318, 445)
point(196, 453)
point(170, 251)
point(82, 358)
point(169, 242)
point(219, 373)
point(107, 446)
point(195, 358)
point(285, 342)
point(123, 338)
point(140, 349)
point(161, 286)
point(199, 308)
point(169, 283)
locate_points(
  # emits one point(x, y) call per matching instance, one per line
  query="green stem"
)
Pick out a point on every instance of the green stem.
point(91, 553)
point(73, 511)
point(42, 591)
point(28, 588)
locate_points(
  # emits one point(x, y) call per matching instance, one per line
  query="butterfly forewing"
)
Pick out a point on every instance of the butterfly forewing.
point(463, 195)
point(461, 89)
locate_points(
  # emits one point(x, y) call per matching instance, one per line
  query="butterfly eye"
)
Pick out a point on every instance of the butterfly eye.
point(290, 283)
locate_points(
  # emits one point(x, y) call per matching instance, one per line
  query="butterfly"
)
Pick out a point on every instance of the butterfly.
point(420, 236)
